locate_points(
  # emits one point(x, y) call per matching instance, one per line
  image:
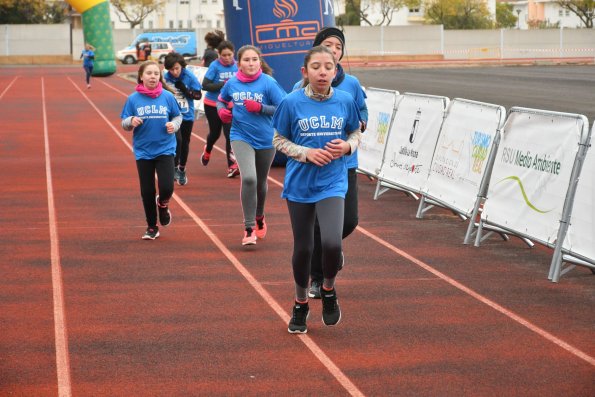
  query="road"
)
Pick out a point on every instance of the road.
point(565, 88)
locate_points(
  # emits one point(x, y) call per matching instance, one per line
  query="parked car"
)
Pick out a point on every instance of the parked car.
point(157, 50)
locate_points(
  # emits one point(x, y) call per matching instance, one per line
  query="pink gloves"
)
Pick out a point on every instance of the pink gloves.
point(225, 115)
point(252, 106)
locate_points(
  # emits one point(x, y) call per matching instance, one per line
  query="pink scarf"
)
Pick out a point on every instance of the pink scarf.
point(244, 78)
point(154, 93)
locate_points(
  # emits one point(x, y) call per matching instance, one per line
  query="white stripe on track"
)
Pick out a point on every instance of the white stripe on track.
point(513, 316)
point(307, 340)
point(62, 356)
point(8, 86)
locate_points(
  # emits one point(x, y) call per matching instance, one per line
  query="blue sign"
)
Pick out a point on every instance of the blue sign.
point(283, 30)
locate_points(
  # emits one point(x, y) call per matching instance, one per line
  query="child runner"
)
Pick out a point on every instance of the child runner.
point(316, 127)
point(187, 91)
point(334, 39)
point(219, 72)
point(153, 114)
point(88, 57)
point(212, 39)
point(254, 96)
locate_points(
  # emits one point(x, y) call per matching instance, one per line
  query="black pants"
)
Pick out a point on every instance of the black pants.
point(351, 219)
point(215, 127)
point(164, 166)
point(303, 217)
point(183, 142)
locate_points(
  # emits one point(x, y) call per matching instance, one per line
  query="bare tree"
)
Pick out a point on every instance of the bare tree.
point(584, 9)
point(135, 11)
point(385, 7)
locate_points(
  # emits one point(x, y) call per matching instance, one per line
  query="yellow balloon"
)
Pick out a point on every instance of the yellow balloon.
point(83, 5)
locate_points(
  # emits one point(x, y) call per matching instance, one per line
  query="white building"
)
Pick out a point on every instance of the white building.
point(180, 14)
point(544, 10)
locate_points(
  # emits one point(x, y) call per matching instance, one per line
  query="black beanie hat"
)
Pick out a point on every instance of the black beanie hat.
point(329, 32)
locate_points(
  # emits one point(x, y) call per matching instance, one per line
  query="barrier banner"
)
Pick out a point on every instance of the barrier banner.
point(381, 109)
point(199, 72)
point(580, 237)
point(462, 151)
point(531, 173)
point(412, 139)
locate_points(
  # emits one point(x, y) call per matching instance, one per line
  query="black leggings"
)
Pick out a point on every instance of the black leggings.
point(183, 142)
point(351, 219)
point(164, 166)
point(215, 126)
point(303, 217)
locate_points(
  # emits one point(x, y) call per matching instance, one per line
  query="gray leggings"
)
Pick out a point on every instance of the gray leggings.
point(254, 170)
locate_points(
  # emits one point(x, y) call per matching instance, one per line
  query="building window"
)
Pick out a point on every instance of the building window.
point(218, 23)
point(567, 13)
point(189, 23)
point(180, 24)
point(171, 24)
point(150, 24)
point(560, 13)
point(414, 11)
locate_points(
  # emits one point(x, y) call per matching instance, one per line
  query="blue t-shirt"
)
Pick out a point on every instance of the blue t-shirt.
point(351, 85)
point(191, 82)
point(219, 73)
point(151, 139)
point(253, 128)
point(311, 123)
point(88, 57)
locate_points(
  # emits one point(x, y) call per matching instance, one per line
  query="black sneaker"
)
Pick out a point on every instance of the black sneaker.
point(331, 312)
point(151, 233)
point(297, 324)
point(314, 291)
point(164, 214)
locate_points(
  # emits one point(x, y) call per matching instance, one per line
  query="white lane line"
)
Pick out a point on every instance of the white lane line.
point(8, 86)
point(62, 356)
point(307, 340)
point(513, 316)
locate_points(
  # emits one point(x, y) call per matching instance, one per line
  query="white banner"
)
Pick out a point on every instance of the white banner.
point(381, 106)
point(412, 139)
point(531, 173)
point(199, 72)
point(461, 154)
point(580, 237)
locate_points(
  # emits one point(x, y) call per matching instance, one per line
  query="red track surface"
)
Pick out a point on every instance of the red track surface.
point(195, 313)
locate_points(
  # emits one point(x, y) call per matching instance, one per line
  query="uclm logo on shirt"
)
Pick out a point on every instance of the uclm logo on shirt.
point(289, 34)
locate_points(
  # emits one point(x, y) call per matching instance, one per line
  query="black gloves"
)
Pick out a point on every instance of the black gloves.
point(188, 93)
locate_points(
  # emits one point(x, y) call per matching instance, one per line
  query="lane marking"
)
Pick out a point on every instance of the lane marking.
point(508, 313)
point(307, 340)
point(8, 86)
point(62, 355)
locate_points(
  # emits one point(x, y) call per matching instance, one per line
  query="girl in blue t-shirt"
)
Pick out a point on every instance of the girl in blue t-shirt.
point(254, 96)
point(316, 127)
point(88, 57)
point(153, 115)
point(220, 70)
point(187, 90)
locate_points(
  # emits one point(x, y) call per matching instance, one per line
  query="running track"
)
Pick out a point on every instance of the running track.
point(89, 309)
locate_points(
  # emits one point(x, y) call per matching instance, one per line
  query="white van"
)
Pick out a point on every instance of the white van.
point(158, 51)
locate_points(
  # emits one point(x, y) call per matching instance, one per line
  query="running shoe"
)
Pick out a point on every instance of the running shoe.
point(261, 227)
point(297, 324)
point(314, 291)
point(331, 312)
point(151, 233)
point(249, 237)
point(206, 156)
point(233, 170)
point(164, 214)
point(182, 178)
point(176, 175)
